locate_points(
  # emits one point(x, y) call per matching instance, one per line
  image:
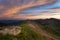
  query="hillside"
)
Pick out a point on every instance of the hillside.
point(26, 34)
point(50, 25)
point(42, 29)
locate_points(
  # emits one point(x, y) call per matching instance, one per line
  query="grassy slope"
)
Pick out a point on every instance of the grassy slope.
point(26, 34)
point(52, 29)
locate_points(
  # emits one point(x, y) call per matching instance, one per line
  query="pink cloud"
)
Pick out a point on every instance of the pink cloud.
point(14, 6)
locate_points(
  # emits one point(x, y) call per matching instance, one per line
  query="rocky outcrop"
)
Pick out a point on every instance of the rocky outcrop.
point(13, 30)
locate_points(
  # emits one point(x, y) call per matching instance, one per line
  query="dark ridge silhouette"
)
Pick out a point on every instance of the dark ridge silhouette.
point(51, 21)
point(10, 22)
point(41, 21)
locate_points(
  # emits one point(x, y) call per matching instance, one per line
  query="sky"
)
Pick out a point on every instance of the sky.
point(29, 9)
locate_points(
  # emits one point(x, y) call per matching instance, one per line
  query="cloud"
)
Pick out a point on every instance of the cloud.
point(13, 9)
point(45, 16)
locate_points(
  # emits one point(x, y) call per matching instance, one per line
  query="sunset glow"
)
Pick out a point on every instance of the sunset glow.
point(29, 9)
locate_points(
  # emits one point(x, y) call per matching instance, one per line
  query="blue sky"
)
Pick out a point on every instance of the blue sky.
point(29, 9)
point(39, 9)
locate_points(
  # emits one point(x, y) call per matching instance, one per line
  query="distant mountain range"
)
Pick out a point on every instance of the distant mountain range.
point(41, 21)
point(10, 22)
point(48, 22)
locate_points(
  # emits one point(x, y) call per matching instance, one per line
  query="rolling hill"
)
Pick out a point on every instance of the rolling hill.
point(42, 29)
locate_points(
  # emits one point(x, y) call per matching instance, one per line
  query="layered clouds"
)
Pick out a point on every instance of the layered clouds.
point(29, 9)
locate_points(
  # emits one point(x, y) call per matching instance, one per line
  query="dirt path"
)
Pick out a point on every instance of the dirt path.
point(41, 31)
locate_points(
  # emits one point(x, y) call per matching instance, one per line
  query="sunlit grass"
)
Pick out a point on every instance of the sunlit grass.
point(26, 34)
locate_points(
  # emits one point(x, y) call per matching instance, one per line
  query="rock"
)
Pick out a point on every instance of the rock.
point(13, 30)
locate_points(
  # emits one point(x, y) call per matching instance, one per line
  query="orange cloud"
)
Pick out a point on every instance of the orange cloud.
point(15, 8)
point(1, 6)
point(41, 16)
